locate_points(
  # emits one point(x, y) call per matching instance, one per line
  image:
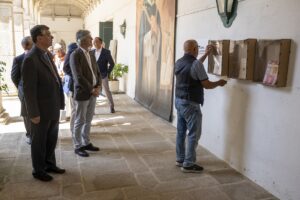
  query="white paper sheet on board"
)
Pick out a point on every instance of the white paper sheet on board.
point(203, 43)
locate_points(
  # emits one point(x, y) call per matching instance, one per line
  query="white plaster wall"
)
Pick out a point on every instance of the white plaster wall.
point(61, 28)
point(252, 127)
point(117, 12)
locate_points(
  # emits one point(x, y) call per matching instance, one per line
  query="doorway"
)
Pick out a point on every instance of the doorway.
point(106, 32)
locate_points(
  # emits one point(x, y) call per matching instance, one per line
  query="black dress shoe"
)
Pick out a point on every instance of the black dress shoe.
point(91, 147)
point(81, 152)
point(55, 170)
point(42, 176)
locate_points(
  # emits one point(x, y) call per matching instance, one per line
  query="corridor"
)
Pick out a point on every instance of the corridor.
point(136, 161)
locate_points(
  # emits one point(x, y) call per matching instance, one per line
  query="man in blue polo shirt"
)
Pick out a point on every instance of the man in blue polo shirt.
point(191, 78)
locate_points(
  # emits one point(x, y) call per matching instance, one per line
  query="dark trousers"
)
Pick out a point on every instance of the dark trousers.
point(27, 124)
point(44, 138)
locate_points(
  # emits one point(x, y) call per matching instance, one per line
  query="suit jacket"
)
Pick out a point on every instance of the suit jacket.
point(16, 78)
point(16, 72)
point(103, 61)
point(82, 74)
point(68, 79)
point(42, 86)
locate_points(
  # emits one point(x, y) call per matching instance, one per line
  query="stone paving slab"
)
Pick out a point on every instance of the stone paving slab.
point(213, 193)
point(245, 190)
point(136, 161)
point(115, 194)
point(147, 180)
point(153, 147)
point(34, 189)
point(227, 176)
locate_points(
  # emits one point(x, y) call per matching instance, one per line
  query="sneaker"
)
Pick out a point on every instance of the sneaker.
point(28, 140)
point(192, 169)
point(179, 164)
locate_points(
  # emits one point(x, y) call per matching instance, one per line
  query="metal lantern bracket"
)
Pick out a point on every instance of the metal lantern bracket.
point(123, 28)
point(227, 15)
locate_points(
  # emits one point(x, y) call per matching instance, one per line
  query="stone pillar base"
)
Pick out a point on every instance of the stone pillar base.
point(4, 117)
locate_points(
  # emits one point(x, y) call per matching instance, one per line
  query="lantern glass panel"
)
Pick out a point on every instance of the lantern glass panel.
point(221, 6)
point(229, 5)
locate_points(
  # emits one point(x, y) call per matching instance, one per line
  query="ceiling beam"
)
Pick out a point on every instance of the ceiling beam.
point(84, 5)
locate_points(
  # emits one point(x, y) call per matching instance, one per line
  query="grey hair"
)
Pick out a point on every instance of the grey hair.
point(26, 40)
point(81, 35)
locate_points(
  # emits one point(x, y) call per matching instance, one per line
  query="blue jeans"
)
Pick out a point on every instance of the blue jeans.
point(189, 117)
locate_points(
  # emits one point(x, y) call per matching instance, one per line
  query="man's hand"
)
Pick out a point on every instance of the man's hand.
point(96, 91)
point(222, 82)
point(36, 120)
point(209, 49)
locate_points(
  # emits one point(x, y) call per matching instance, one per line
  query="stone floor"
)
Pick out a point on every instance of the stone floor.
point(136, 161)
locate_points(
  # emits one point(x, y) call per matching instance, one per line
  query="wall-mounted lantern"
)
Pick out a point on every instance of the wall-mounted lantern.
point(227, 11)
point(123, 28)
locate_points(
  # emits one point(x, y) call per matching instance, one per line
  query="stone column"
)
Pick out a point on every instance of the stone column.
point(4, 117)
point(6, 45)
point(7, 50)
point(18, 25)
point(26, 25)
point(26, 17)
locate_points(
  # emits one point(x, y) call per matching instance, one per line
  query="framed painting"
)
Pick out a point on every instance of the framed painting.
point(155, 55)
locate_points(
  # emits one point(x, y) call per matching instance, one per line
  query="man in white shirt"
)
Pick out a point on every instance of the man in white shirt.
point(106, 65)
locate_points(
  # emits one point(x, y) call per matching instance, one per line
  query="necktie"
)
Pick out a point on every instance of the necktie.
point(51, 67)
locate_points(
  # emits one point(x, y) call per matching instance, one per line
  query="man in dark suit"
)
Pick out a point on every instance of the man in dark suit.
point(16, 78)
point(43, 99)
point(106, 65)
point(87, 86)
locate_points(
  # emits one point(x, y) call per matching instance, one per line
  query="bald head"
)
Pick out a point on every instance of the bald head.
point(27, 43)
point(191, 47)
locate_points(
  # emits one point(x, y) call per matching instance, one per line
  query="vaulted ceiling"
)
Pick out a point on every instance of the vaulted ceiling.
point(65, 8)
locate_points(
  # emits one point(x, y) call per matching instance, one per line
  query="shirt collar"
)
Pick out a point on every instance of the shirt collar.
point(189, 54)
point(99, 50)
point(84, 51)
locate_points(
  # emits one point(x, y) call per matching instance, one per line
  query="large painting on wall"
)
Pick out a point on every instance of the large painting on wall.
point(155, 55)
